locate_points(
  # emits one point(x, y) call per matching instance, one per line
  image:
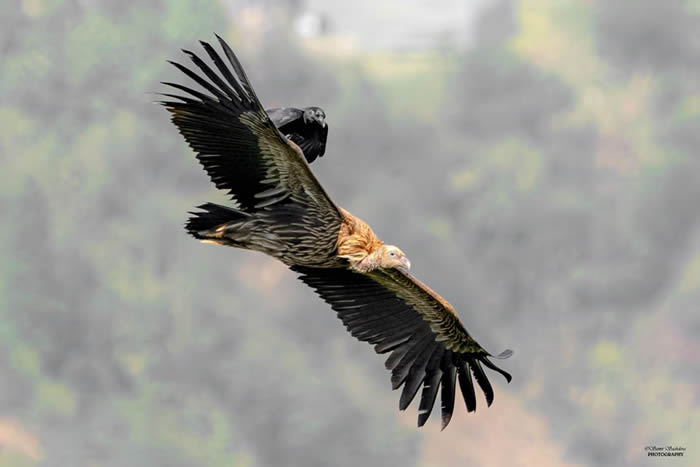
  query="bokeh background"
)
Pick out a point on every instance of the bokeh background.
point(537, 160)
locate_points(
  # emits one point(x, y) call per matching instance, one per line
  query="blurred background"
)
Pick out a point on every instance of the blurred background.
point(537, 160)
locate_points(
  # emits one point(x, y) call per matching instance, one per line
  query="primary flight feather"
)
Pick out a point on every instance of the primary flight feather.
point(283, 211)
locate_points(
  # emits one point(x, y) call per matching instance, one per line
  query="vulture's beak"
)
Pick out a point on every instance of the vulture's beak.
point(322, 122)
point(405, 263)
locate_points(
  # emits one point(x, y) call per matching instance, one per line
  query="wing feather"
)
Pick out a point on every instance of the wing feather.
point(416, 375)
point(430, 388)
point(482, 381)
point(224, 70)
point(248, 91)
point(447, 394)
point(467, 386)
point(415, 352)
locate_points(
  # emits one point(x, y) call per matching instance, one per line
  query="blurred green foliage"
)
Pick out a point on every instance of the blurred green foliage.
point(545, 180)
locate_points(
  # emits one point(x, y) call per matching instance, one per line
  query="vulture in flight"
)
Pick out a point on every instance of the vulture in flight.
point(307, 128)
point(283, 211)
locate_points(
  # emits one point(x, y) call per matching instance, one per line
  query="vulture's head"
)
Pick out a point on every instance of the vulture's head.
point(392, 257)
point(315, 114)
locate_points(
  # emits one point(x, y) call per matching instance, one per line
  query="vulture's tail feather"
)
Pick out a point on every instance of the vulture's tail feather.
point(212, 216)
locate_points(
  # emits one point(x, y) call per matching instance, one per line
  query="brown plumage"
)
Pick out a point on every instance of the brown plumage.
point(284, 212)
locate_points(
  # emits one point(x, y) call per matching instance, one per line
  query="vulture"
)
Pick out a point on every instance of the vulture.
point(307, 128)
point(282, 210)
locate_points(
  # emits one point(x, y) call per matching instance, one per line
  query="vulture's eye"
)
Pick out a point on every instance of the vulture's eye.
point(392, 254)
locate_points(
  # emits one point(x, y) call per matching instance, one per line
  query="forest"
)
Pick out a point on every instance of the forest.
point(544, 180)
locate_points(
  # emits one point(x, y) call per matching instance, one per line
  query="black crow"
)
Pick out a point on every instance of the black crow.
point(305, 127)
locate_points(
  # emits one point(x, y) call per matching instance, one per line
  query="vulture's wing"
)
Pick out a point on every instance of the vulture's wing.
point(238, 145)
point(429, 345)
point(281, 117)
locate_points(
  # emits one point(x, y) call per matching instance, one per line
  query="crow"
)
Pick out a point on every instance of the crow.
point(306, 127)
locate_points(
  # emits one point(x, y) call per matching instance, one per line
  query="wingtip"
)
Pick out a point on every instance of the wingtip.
point(505, 354)
point(444, 421)
point(489, 364)
point(206, 45)
point(190, 54)
point(177, 65)
point(502, 356)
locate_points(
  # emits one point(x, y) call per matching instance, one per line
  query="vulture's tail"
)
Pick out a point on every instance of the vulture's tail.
point(203, 224)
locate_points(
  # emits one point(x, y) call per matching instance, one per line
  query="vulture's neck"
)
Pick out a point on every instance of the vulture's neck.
point(369, 263)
